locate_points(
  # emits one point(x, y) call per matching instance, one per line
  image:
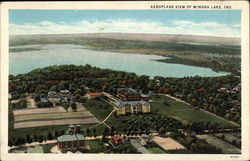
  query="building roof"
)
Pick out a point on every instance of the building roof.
point(65, 138)
point(64, 91)
point(128, 90)
point(123, 103)
point(44, 99)
point(52, 92)
point(94, 93)
point(117, 138)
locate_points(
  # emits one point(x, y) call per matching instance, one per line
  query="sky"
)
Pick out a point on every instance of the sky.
point(225, 23)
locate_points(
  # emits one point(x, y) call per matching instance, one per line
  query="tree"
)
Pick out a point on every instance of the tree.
point(56, 134)
point(112, 131)
point(73, 106)
point(28, 139)
point(162, 131)
point(10, 143)
point(88, 131)
point(106, 130)
point(147, 132)
point(35, 138)
point(40, 139)
point(37, 98)
point(94, 132)
point(103, 138)
point(194, 102)
point(50, 136)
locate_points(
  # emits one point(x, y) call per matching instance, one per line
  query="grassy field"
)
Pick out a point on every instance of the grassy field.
point(50, 116)
point(182, 112)
point(33, 117)
point(94, 107)
point(47, 147)
point(224, 146)
point(43, 130)
point(156, 150)
point(95, 146)
point(30, 149)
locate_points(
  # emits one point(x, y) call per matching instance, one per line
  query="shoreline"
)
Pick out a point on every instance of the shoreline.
point(169, 57)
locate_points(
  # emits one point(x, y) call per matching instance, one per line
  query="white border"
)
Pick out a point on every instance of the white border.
point(241, 5)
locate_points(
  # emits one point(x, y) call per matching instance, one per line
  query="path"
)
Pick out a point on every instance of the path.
point(35, 143)
point(179, 100)
point(103, 122)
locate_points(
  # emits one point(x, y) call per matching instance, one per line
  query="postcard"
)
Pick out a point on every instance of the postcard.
point(123, 80)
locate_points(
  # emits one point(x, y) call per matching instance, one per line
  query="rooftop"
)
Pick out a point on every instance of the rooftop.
point(122, 103)
point(94, 93)
point(75, 137)
point(128, 90)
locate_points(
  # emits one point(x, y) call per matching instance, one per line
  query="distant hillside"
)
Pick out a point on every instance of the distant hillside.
point(190, 39)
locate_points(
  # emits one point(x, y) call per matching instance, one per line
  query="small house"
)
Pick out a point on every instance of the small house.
point(93, 95)
point(117, 140)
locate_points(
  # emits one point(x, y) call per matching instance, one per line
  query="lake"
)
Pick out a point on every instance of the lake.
point(141, 64)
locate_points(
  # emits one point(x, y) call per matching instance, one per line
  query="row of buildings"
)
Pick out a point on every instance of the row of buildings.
point(74, 140)
point(55, 98)
point(129, 94)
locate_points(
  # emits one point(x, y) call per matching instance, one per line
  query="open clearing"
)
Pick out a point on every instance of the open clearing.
point(30, 149)
point(156, 150)
point(139, 147)
point(26, 124)
point(50, 116)
point(39, 110)
point(229, 137)
point(167, 143)
point(182, 111)
point(225, 147)
point(35, 117)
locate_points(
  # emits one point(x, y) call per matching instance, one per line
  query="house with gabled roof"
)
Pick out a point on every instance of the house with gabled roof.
point(73, 140)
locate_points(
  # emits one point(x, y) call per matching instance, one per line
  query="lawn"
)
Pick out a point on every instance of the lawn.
point(182, 112)
point(102, 112)
point(95, 146)
point(30, 149)
point(156, 150)
point(224, 146)
point(99, 108)
point(42, 130)
point(47, 147)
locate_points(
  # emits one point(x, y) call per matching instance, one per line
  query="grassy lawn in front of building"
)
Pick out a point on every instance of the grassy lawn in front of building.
point(183, 112)
point(156, 150)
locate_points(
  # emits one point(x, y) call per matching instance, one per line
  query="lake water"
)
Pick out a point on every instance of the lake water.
point(141, 64)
